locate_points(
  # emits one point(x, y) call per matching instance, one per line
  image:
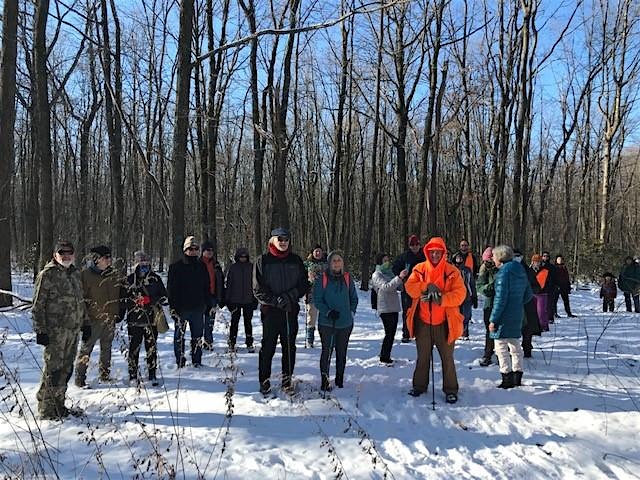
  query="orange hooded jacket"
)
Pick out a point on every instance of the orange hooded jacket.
point(448, 279)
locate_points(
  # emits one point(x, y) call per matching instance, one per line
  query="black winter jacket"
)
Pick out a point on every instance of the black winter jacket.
point(148, 286)
point(407, 257)
point(239, 290)
point(188, 285)
point(274, 277)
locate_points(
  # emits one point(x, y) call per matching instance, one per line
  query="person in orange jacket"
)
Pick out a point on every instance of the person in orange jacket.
point(437, 290)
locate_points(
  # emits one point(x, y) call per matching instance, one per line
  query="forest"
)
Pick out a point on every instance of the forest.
point(353, 123)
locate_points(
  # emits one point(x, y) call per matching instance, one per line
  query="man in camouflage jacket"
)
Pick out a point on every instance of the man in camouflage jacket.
point(59, 313)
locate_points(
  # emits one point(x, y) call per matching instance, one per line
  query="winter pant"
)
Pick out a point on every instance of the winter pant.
point(278, 323)
point(565, 299)
point(390, 323)
point(542, 306)
point(636, 301)
point(150, 335)
point(527, 344)
point(608, 304)
point(465, 310)
point(506, 347)
point(406, 304)
point(209, 320)
point(488, 341)
point(338, 339)
point(195, 319)
point(58, 367)
point(312, 320)
point(426, 337)
point(247, 314)
point(103, 332)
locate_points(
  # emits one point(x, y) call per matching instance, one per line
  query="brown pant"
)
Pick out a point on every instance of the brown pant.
point(425, 342)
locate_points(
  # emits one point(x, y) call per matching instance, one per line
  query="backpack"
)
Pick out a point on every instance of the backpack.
point(346, 276)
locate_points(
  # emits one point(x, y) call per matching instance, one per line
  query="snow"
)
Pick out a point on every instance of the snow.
point(576, 414)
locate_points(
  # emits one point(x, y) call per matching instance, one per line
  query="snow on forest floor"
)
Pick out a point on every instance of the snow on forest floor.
point(576, 415)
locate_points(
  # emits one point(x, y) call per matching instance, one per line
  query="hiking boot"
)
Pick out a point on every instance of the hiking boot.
point(414, 392)
point(527, 354)
point(181, 363)
point(108, 379)
point(308, 344)
point(451, 398)
point(80, 382)
point(507, 380)
point(339, 381)
point(265, 387)
point(405, 340)
point(325, 386)
point(486, 361)
point(386, 361)
point(517, 379)
point(251, 349)
point(571, 315)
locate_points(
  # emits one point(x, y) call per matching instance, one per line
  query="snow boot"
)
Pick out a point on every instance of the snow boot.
point(486, 361)
point(517, 379)
point(325, 386)
point(507, 380)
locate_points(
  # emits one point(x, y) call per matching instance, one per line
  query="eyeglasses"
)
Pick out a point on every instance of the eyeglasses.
point(283, 239)
point(65, 252)
point(193, 249)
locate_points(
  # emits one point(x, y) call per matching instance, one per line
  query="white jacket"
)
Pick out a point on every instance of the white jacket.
point(387, 287)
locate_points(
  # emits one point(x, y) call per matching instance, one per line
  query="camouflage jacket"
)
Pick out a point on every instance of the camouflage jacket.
point(314, 268)
point(104, 294)
point(58, 301)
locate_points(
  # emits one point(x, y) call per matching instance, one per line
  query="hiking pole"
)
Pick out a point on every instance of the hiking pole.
point(288, 343)
point(331, 346)
point(433, 378)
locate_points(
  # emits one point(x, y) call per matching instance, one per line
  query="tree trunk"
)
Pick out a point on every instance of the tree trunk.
point(7, 122)
point(179, 152)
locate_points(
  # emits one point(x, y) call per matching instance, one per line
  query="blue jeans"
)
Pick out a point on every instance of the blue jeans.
point(195, 318)
point(465, 310)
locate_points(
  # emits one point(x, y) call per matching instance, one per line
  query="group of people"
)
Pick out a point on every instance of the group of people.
point(628, 282)
point(434, 291)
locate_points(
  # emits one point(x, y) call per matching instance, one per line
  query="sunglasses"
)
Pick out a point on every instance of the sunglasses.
point(65, 252)
point(193, 249)
point(283, 239)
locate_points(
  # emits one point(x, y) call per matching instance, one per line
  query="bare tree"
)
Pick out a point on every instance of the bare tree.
point(7, 122)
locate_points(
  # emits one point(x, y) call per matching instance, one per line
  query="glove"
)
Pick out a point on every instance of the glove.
point(282, 302)
point(86, 332)
point(333, 314)
point(474, 301)
point(432, 294)
point(489, 291)
point(42, 339)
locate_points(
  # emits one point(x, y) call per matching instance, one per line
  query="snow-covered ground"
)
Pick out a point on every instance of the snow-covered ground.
point(577, 414)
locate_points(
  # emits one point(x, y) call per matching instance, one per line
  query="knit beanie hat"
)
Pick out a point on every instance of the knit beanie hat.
point(190, 241)
point(139, 257)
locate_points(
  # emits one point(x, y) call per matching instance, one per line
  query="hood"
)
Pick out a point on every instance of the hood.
point(240, 252)
point(436, 243)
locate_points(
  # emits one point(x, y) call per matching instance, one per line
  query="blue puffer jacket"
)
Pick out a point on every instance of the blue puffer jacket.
point(335, 296)
point(512, 292)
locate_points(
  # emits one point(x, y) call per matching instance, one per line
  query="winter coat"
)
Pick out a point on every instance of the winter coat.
point(188, 285)
point(216, 280)
point(387, 287)
point(629, 279)
point(151, 289)
point(58, 300)
point(274, 276)
point(485, 285)
point(470, 284)
point(103, 294)
point(407, 258)
point(470, 261)
point(608, 291)
point(453, 294)
point(512, 292)
point(239, 289)
point(335, 295)
point(314, 268)
point(545, 278)
point(562, 279)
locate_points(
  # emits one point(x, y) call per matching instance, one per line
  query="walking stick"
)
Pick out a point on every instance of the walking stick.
point(331, 345)
point(433, 379)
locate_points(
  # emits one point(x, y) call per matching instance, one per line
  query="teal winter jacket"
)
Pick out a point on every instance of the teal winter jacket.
point(337, 295)
point(512, 291)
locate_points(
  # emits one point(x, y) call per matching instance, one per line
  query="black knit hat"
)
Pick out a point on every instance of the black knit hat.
point(380, 257)
point(101, 251)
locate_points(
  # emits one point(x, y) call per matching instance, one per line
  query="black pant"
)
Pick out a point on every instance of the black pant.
point(390, 322)
point(527, 345)
point(406, 304)
point(488, 341)
point(565, 299)
point(636, 301)
point(278, 323)
point(331, 339)
point(150, 335)
point(247, 313)
point(608, 304)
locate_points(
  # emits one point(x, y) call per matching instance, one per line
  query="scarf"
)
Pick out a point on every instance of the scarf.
point(277, 253)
